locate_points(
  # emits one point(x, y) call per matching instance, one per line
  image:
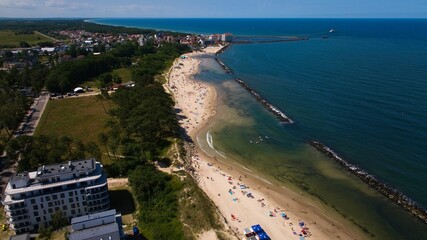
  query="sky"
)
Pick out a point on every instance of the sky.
point(213, 8)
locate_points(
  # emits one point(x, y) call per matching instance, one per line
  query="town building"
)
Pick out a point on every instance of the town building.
point(75, 188)
point(226, 37)
point(103, 225)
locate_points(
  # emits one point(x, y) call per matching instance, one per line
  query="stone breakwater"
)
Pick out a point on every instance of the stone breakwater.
point(277, 112)
point(391, 193)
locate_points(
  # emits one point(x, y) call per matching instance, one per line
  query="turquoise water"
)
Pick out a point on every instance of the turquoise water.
point(362, 91)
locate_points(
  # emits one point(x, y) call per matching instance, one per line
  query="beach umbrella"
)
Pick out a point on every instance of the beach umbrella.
point(257, 228)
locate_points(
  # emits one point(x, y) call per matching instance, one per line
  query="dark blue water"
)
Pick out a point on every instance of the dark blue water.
point(362, 91)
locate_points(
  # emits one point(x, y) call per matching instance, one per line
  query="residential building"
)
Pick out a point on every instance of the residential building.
point(76, 188)
point(105, 225)
point(226, 37)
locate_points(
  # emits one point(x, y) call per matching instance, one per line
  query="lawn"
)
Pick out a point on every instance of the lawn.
point(81, 118)
point(124, 73)
point(9, 38)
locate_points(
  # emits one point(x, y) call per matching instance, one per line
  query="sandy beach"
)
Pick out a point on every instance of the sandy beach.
point(241, 197)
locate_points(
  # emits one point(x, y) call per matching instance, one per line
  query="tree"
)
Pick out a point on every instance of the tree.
point(103, 138)
point(59, 220)
point(105, 80)
point(93, 150)
point(45, 233)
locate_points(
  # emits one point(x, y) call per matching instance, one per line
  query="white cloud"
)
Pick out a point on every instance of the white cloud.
point(61, 4)
point(22, 4)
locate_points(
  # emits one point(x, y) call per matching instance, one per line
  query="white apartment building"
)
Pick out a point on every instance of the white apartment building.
point(76, 188)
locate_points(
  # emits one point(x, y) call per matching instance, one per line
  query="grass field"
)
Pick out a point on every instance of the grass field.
point(9, 38)
point(124, 73)
point(81, 118)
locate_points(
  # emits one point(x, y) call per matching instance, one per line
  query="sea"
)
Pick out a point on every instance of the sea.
point(360, 89)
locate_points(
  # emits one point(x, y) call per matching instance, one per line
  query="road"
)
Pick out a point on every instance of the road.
point(39, 106)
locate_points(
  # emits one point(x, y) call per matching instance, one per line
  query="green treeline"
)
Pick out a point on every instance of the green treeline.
point(68, 75)
point(33, 152)
point(48, 26)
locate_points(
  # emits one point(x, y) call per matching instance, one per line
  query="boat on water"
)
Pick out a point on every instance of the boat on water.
point(332, 30)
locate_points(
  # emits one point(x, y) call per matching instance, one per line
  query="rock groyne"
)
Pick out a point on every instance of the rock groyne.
point(276, 111)
point(393, 194)
point(279, 114)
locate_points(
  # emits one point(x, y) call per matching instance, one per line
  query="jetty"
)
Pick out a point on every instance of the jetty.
point(276, 111)
point(393, 194)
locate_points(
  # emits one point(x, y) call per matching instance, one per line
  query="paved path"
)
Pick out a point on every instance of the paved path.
point(39, 106)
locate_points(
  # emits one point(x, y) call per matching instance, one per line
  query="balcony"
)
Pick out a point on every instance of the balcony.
point(15, 221)
point(101, 201)
point(10, 208)
point(16, 213)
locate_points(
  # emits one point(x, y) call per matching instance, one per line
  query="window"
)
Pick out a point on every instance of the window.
point(47, 198)
point(33, 201)
point(36, 213)
point(41, 205)
point(70, 200)
point(50, 204)
point(70, 194)
point(55, 197)
point(73, 205)
point(64, 207)
point(38, 219)
point(50, 210)
point(73, 212)
point(35, 207)
point(62, 195)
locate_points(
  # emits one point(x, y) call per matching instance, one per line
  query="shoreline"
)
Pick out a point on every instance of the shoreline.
point(227, 183)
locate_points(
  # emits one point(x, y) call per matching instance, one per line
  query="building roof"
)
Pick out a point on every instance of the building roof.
point(94, 232)
point(25, 236)
point(84, 170)
point(93, 216)
point(71, 167)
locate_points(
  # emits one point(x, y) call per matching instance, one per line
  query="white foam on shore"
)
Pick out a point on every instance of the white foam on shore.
point(209, 140)
point(221, 154)
point(262, 179)
point(201, 147)
point(247, 169)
